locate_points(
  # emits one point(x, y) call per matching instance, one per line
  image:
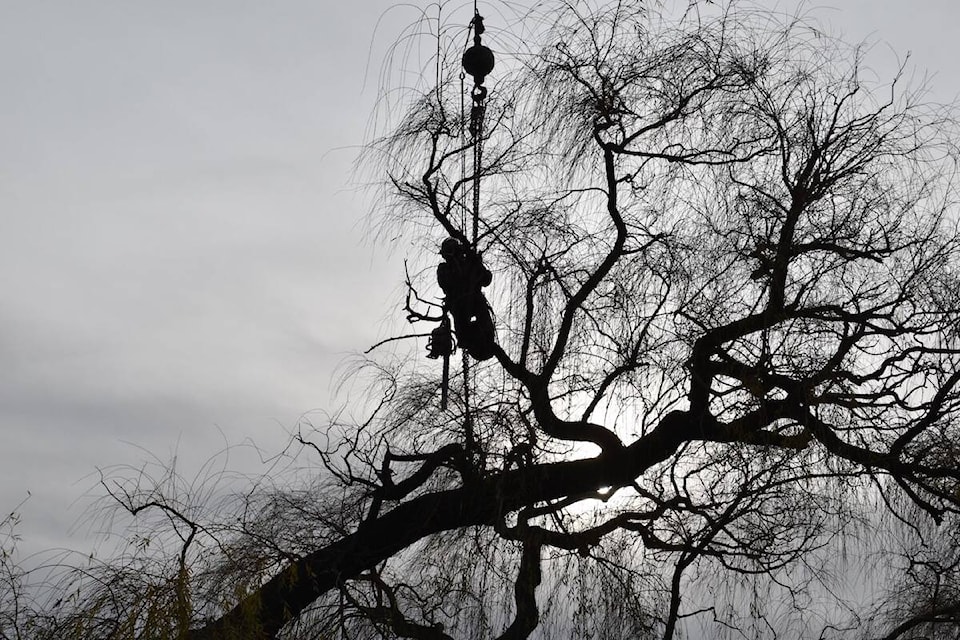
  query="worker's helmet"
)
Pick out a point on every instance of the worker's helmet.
point(449, 247)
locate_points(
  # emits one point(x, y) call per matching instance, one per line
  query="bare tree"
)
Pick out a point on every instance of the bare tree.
point(724, 280)
point(922, 598)
point(12, 609)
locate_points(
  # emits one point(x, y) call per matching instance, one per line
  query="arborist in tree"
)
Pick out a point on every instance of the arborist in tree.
point(461, 276)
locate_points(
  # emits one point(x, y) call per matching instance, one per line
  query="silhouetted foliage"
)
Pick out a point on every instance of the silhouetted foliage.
point(725, 289)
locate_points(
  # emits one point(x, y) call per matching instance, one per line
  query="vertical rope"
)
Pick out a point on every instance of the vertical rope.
point(469, 434)
point(476, 129)
point(445, 382)
point(477, 164)
point(463, 138)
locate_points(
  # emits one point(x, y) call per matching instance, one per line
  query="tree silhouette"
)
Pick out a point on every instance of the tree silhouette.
point(725, 288)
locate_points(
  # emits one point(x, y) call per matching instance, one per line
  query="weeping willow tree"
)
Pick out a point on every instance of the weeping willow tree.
point(726, 363)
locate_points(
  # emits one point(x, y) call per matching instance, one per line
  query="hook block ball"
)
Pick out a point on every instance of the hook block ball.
point(478, 62)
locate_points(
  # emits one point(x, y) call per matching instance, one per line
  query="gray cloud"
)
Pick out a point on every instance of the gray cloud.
point(179, 259)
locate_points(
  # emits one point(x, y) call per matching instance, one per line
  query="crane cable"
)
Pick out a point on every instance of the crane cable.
point(477, 62)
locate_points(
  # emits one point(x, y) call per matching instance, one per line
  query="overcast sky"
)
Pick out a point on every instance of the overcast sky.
point(182, 261)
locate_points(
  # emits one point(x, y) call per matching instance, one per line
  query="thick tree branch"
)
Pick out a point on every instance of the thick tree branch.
point(283, 597)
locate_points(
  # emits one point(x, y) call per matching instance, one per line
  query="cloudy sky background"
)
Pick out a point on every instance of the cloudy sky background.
point(182, 256)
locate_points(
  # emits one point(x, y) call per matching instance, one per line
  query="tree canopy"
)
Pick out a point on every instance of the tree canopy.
point(726, 374)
